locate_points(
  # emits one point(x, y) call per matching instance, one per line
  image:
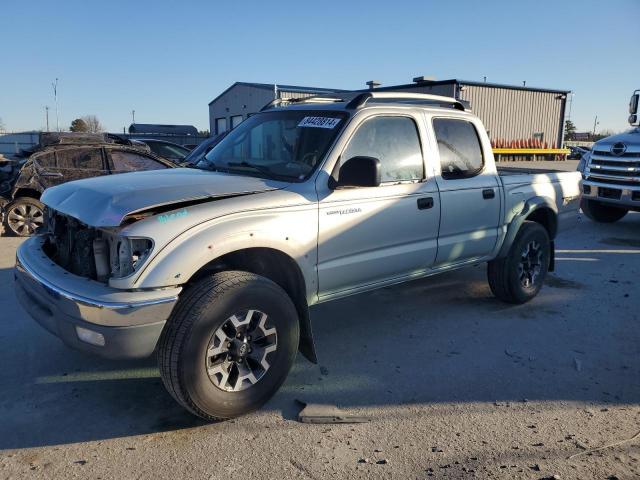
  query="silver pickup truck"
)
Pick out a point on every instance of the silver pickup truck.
point(215, 267)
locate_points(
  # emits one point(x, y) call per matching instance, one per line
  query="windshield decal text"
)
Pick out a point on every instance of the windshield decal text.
point(319, 122)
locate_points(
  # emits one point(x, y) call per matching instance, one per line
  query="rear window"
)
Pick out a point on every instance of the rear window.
point(130, 162)
point(459, 147)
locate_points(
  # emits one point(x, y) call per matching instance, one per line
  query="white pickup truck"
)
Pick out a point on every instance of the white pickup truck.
point(215, 267)
point(611, 185)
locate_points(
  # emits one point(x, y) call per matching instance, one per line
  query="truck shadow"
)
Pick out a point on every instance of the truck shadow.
point(436, 340)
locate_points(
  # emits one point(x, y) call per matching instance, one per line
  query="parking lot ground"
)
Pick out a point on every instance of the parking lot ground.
point(455, 383)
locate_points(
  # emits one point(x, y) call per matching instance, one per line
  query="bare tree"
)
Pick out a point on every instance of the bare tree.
point(93, 124)
point(1, 125)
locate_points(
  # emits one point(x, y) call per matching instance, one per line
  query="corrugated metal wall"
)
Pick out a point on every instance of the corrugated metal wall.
point(511, 114)
point(286, 95)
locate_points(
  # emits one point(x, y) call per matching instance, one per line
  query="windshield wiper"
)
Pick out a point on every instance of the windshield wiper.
point(258, 168)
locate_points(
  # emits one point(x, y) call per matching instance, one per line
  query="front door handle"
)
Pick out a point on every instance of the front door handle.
point(488, 193)
point(425, 203)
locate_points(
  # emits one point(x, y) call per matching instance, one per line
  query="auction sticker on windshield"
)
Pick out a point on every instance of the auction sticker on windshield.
point(319, 122)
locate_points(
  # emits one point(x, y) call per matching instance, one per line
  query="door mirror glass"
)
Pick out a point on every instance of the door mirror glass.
point(359, 172)
point(633, 103)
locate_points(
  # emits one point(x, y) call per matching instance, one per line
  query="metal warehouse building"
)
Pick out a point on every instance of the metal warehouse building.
point(511, 114)
point(241, 99)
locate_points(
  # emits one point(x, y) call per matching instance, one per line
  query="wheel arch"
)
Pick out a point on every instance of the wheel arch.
point(540, 210)
point(280, 268)
point(26, 192)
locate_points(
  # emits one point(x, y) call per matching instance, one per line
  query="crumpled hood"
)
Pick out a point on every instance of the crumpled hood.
point(105, 201)
point(630, 137)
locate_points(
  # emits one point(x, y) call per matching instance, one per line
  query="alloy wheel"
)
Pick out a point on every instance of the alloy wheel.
point(24, 219)
point(530, 264)
point(238, 353)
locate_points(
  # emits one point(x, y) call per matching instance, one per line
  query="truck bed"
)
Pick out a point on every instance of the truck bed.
point(544, 166)
point(506, 171)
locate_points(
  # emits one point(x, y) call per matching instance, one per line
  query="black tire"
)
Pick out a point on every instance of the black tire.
point(601, 212)
point(23, 216)
point(201, 311)
point(507, 280)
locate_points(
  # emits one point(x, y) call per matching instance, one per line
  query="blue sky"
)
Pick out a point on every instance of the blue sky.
point(167, 60)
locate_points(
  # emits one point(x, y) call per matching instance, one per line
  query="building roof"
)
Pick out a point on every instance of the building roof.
point(164, 129)
point(288, 88)
point(428, 83)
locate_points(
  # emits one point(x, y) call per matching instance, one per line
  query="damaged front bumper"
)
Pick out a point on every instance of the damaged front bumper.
point(88, 315)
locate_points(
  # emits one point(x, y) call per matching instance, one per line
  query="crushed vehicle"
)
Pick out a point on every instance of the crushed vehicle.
point(214, 268)
point(611, 185)
point(59, 158)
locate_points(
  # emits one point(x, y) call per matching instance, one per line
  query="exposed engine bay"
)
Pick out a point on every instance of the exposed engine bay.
point(98, 254)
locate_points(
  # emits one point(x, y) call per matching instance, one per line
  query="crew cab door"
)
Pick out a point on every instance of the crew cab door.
point(469, 192)
point(369, 235)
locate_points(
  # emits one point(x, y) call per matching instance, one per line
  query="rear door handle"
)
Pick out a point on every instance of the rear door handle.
point(425, 203)
point(488, 193)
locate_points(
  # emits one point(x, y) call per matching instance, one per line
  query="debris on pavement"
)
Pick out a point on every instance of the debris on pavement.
point(322, 413)
point(577, 364)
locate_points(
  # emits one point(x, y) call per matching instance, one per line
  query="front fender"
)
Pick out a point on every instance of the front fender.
point(294, 233)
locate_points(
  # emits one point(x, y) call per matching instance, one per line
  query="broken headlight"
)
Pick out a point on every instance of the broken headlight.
point(126, 255)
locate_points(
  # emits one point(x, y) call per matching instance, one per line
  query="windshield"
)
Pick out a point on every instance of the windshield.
point(286, 145)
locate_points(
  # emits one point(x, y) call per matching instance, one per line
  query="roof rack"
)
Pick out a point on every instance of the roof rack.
point(285, 101)
point(361, 100)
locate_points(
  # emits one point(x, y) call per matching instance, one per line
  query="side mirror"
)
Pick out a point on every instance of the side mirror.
point(633, 109)
point(633, 103)
point(359, 172)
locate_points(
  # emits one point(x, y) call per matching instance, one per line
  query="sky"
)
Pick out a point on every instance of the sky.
point(167, 60)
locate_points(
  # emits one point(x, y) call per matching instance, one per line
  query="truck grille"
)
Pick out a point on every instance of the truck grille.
point(622, 169)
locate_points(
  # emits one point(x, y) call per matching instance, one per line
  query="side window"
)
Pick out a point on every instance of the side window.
point(392, 140)
point(459, 147)
point(131, 162)
point(80, 158)
point(47, 160)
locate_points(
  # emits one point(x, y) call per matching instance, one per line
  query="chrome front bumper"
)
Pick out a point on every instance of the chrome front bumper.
point(129, 322)
point(621, 195)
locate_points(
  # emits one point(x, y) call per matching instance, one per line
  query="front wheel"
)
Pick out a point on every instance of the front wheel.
point(228, 345)
point(519, 276)
point(602, 213)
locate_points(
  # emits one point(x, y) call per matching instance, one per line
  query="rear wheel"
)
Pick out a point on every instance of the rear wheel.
point(228, 345)
point(601, 212)
point(519, 276)
point(24, 216)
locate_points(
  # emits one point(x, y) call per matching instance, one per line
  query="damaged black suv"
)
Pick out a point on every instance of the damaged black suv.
point(62, 157)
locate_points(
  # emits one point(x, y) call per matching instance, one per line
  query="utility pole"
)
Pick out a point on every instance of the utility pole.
point(46, 114)
point(133, 116)
point(571, 94)
point(595, 123)
point(55, 96)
